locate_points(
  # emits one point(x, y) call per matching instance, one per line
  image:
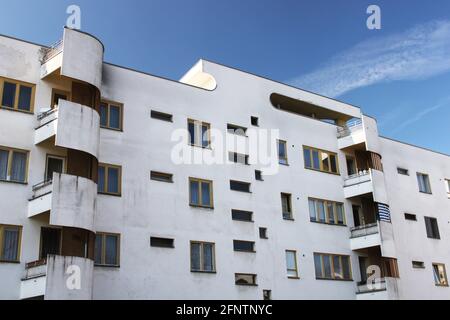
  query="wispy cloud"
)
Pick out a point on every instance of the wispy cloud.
point(418, 53)
point(418, 116)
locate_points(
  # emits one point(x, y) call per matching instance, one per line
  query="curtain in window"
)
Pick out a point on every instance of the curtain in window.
point(208, 257)
point(331, 212)
point(321, 209)
point(98, 249)
point(206, 196)
point(327, 266)
point(318, 265)
point(194, 186)
point(10, 244)
point(191, 128)
point(18, 168)
point(205, 136)
point(307, 156)
point(9, 94)
point(195, 256)
point(113, 180)
point(436, 274)
point(291, 263)
point(114, 117)
point(3, 164)
point(101, 179)
point(110, 250)
point(312, 210)
point(340, 213)
point(337, 268)
point(25, 98)
point(103, 115)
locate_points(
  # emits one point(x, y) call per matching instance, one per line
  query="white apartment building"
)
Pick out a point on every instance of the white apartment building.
point(93, 205)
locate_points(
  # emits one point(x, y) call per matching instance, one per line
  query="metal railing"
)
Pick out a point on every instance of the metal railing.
point(365, 230)
point(45, 114)
point(358, 178)
point(41, 185)
point(351, 126)
point(54, 50)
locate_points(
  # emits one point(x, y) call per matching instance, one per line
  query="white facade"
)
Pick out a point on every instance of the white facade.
point(146, 208)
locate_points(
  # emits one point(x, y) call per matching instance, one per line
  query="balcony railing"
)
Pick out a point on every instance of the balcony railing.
point(42, 188)
point(54, 50)
point(365, 230)
point(360, 177)
point(348, 129)
point(366, 288)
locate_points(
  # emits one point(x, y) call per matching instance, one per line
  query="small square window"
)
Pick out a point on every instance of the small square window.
point(161, 176)
point(241, 215)
point(240, 186)
point(162, 242)
point(267, 294)
point(418, 265)
point(243, 279)
point(161, 116)
point(402, 171)
point(255, 121)
point(244, 246)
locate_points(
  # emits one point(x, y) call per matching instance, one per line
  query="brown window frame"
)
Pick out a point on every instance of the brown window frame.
point(201, 256)
point(320, 152)
point(105, 191)
point(333, 273)
point(108, 104)
point(9, 167)
point(103, 257)
point(200, 198)
point(18, 84)
point(19, 243)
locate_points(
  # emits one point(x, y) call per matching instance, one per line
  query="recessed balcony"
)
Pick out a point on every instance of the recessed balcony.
point(47, 279)
point(365, 236)
point(70, 200)
point(71, 125)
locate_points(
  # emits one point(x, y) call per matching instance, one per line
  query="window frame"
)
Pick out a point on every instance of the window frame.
point(18, 84)
point(402, 171)
point(103, 257)
point(106, 167)
point(332, 256)
point(244, 250)
point(326, 204)
point(110, 103)
point(241, 183)
point(283, 161)
point(289, 203)
point(171, 246)
point(19, 242)
point(428, 183)
point(237, 211)
point(9, 165)
point(261, 235)
point(320, 152)
point(201, 256)
point(155, 176)
point(162, 116)
point(436, 264)
point(254, 278)
point(294, 252)
point(433, 235)
point(200, 195)
point(198, 134)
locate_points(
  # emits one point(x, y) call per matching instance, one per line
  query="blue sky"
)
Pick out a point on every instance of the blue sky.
point(399, 74)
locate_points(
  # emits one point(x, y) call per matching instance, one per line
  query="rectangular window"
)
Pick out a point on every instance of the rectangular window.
point(418, 265)
point(245, 279)
point(162, 242)
point(291, 264)
point(325, 211)
point(245, 246)
point(320, 160)
point(447, 186)
point(332, 267)
point(161, 116)
point(13, 165)
point(203, 257)
point(234, 129)
point(109, 179)
point(431, 225)
point(411, 217)
point(111, 115)
point(263, 233)
point(282, 152)
point(286, 206)
point(238, 158)
point(239, 186)
point(402, 171)
point(241, 215)
point(161, 176)
point(254, 121)
point(107, 249)
point(10, 241)
point(424, 183)
point(440, 274)
point(200, 193)
point(17, 95)
point(199, 133)
point(258, 175)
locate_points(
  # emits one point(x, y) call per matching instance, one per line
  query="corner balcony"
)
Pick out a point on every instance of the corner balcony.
point(49, 279)
point(70, 200)
point(350, 135)
point(358, 184)
point(386, 289)
point(71, 125)
point(365, 236)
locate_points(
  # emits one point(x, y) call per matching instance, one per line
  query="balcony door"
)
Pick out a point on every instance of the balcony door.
point(358, 216)
point(363, 269)
point(50, 242)
point(54, 164)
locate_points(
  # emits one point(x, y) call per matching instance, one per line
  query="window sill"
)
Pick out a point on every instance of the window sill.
point(288, 219)
point(14, 182)
point(11, 262)
point(423, 192)
point(264, 238)
point(293, 278)
point(203, 272)
point(249, 192)
point(118, 195)
point(196, 206)
point(161, 180)
point(246, 285)
point(200, 147)
point(106, 266)
point(442, 285)
point(283, 164)
point(16, 110)
point(328, 279)
point(112, 129)
point(239, 220)
point(244, 251)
